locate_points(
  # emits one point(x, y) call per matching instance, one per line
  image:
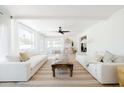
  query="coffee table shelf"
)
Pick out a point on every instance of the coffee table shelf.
point(62, 65)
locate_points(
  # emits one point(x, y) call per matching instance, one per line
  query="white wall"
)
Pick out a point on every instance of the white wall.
point(107, 35)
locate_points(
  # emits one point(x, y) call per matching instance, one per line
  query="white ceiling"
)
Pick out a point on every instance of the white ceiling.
point(47, 19)
point(50, 26)
point(88, 11)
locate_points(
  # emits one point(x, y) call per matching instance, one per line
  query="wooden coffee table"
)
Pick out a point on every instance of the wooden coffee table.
point(62, 65)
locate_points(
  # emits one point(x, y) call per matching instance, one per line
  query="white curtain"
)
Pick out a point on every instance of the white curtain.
point(14, 49)
point(4, 36)
point(40, 42)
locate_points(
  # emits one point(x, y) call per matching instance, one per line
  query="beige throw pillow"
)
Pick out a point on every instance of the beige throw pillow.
point(24, 57)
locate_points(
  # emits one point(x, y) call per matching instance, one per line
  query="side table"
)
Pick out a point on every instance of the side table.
point(120, 70)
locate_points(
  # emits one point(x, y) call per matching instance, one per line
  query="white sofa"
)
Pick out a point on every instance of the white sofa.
point(105, 73)
point(21, 71)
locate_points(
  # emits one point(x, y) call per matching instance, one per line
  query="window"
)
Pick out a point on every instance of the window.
point(54, 44)
point(49, 44)
point(57, 44)
point(26, 38)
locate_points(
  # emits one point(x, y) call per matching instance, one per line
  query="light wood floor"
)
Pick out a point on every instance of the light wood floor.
point(44, 78)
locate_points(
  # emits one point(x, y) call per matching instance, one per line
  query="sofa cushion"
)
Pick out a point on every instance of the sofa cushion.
point(32, 53)
point(119, 59)
point(35, 60)
point(13, 58)
point(92, 68)
point(98, 57)
point(108, 57)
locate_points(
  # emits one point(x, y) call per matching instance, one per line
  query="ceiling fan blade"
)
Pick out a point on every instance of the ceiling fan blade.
point(65, 31)
point(61, 32)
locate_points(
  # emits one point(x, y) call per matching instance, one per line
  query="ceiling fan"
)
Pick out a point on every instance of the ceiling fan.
point(61, 31)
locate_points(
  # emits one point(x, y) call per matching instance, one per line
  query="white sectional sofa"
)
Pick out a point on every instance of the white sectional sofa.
point(105, 73)
point(21, 71)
